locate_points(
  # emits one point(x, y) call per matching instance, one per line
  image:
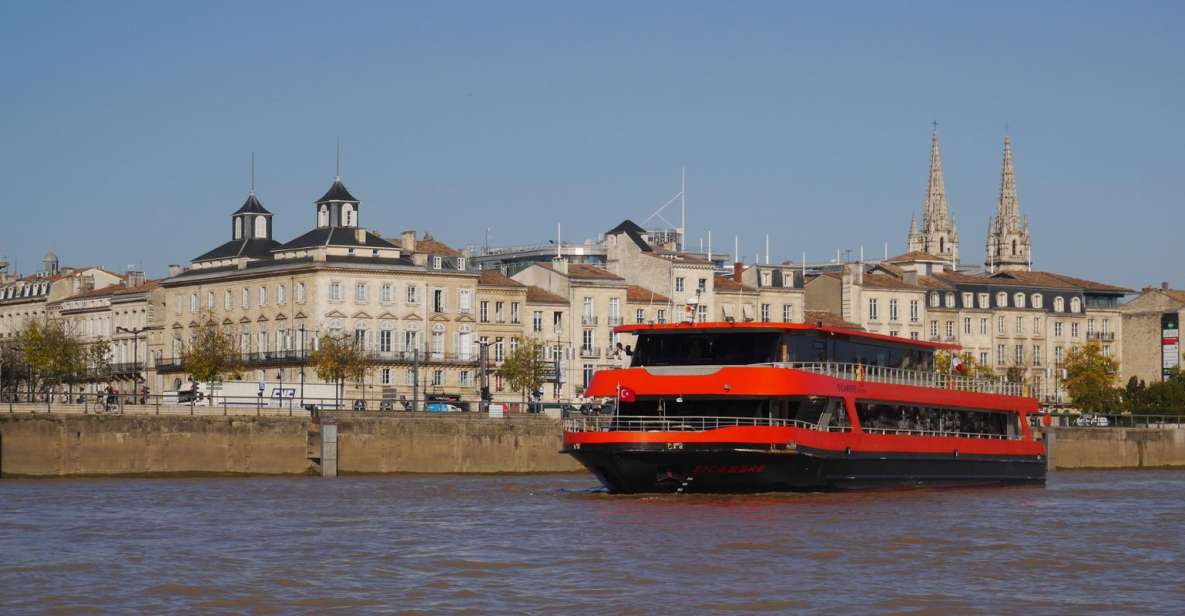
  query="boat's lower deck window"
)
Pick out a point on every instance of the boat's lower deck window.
point(816, 410)
point(898, 417)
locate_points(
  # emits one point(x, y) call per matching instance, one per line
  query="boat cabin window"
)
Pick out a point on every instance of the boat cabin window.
point(816, 410)
point(706, 348)
point(815, 347)
point(895, 417)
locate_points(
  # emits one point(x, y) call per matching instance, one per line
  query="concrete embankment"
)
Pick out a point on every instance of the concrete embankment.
point(44, 445)
point(1115, 448)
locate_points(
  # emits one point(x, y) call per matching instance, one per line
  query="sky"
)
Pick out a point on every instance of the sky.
point(129, 127)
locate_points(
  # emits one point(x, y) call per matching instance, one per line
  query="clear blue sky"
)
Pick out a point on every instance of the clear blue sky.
point(128, 127)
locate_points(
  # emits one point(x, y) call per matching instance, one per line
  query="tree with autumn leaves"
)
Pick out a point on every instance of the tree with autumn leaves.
point(1091, 379)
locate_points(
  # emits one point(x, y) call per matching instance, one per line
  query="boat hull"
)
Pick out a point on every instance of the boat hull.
point(630, 468)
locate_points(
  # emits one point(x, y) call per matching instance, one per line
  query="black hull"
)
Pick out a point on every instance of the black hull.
point(637, 468)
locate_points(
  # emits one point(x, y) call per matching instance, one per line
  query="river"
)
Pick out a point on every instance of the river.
point(1088, 542)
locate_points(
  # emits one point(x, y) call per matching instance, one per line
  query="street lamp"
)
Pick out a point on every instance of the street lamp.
point(135, 332)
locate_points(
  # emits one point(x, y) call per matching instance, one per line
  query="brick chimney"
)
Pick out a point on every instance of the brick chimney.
point(1164, 286)
point(738, 270)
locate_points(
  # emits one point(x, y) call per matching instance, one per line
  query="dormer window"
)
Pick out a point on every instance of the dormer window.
point(260, 227)
point(1001, 300)
point(1019, 300)
point(1038, 301)
point(950, 300)
point(437, 263)
point(967, 300)
point(238, 227)
point(934, 300)
point(1059, 304)
point(787, 280)
point(1075, 305)
point(461, 263)
point(767, 278)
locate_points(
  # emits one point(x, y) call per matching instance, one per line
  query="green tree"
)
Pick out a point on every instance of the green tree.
point(338, 358)
point(52, 354)
point(1091, 378)
point(1165, 397)
point(211, 355)
point(525, 368)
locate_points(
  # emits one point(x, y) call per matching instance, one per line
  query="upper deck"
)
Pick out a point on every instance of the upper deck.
point(721, 327)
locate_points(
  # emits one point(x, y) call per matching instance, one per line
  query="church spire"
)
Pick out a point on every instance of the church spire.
point(1009, 245)
point(938, 235)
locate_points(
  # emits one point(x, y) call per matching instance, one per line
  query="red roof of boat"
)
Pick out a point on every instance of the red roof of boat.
point(720, 325)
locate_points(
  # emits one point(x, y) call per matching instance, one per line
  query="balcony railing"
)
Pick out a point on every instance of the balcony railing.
point(590, 351)
point(588, 319)
point(1101, 336)
point(625, 423)
point(266, 358)
point(614, 321)
point(901, 376)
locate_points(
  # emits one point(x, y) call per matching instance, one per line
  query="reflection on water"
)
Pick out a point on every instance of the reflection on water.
point(1088, 542)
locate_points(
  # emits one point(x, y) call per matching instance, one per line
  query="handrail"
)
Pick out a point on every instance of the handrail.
point(902, 376)
point(678, 423)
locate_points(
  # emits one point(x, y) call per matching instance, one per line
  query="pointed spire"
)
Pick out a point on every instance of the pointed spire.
point(935, 210)
point(913, 225)
point(1008, 207)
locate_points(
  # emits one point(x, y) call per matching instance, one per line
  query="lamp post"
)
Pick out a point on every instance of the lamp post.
point(303, 359)
point(135, 332)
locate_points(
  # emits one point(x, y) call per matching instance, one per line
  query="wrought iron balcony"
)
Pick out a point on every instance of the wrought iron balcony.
point(588, 319)
point(591, 352)
point(1101, 336)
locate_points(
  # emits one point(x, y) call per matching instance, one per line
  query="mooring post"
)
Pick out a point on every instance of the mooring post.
point(328, 447)
point(1050, 439)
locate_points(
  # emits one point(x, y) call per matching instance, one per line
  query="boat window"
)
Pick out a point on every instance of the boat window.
point(896, 417)
point(810, 347)
point(817, 410)
point(706, 348)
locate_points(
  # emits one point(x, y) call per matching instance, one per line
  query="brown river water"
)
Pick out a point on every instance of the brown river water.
point(1088, 542)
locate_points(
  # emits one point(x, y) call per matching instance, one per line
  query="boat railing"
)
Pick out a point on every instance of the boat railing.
point(903, 376)
point(669, 423)
point(945, 433)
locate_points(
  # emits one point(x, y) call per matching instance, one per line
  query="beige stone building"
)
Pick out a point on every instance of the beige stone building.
point(686, 280)
point(597, 301)
point(27, 297)
point(502, 303)
point(549, 320)
point(780, 294)
point(875, 300)
point(412, 307)
point(1151, 345)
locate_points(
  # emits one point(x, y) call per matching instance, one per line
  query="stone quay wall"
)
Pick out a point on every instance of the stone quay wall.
point(1115, 448)
point(61, 445)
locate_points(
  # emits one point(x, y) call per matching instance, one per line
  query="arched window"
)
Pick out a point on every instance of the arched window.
point(1075, 305)
point(238, 227)
point(1059, 304)
point(1038, 301)
point(323, 216)
point(1014, 248)
point(934, 299)
point(1001, 299)
point(1018, 300)
point(347, 215)
point(260, 227)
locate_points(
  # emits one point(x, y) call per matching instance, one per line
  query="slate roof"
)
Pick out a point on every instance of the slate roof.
point(432, 246)
point(335, 236)
point(634, 231)
point(252, 206)
point(337, 192)
point(258, 248)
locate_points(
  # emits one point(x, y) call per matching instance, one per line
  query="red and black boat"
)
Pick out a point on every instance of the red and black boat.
point(756, 407)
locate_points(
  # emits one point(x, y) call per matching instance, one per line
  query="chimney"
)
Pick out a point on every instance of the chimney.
point(1164, 286)
point(560, 265)
point(174, 270)
point(911, 277)
point(738, 269)
point(407, 241)
point(134, 277)
point(360, 235)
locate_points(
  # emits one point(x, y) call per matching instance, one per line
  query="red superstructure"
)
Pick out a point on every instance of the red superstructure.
point(774, 406)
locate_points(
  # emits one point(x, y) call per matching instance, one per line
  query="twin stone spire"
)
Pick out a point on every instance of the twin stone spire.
point(1008, 240)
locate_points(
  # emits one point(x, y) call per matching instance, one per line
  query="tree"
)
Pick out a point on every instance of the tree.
point(338, 358)
point(1091, 378)
point(212, 354)
point(1165, 397)
point(52, 354)
point(525, 368)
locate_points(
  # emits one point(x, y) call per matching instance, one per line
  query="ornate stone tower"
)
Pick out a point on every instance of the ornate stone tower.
point(1008, 243)
point(939, 235)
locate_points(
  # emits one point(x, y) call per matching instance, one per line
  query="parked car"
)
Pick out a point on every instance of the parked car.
point(441, 407)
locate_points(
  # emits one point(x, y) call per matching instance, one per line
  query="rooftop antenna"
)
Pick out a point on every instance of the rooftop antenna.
point(253, 173)
point(804, 267)
point(767, 249)
point(886, 251)
point(558, 252)
point(339, 158)
point(683, 207)
point(683, 210)
point(709, 244)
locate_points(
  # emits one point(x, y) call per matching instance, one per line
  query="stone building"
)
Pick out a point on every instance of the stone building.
point(26, 297)
point(780, 294)
point(411, 307)
point(1151, 345)
point(600, 297)
point(686, 279)
point(502, 303)
point(550, 321)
